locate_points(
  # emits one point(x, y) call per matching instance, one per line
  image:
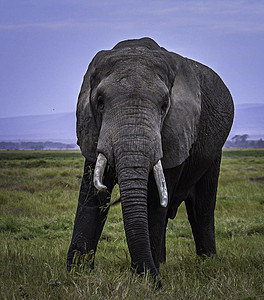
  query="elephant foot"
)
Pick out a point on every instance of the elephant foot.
point(208, 249)
point(70, 266)
point(80, 259)
point(205, 255)
point(158, 284)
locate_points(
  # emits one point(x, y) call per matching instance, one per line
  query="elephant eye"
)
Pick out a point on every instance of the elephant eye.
point(164, 107)
point(165, 104)
point(100, 103)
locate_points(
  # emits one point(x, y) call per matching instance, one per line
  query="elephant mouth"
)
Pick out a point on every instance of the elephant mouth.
point(101, 163)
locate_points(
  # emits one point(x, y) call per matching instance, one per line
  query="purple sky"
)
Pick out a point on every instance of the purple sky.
point(46, 46)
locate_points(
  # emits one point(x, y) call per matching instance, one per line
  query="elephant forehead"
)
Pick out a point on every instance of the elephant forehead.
point(133, 61)
point(133, 83)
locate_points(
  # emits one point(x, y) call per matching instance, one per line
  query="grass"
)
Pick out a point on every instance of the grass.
point(38, 198)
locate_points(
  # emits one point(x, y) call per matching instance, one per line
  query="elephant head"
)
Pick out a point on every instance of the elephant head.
point(130, 100)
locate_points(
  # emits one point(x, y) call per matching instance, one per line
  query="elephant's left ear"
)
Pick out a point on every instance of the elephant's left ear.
point(180, 126)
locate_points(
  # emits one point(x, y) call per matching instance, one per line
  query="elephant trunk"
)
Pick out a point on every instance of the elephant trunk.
point(133, 172)
point(133, 191)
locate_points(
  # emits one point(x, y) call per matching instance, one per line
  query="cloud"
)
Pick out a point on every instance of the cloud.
point(210, 7)
point(35, 25)
point(231, 16)
point(239, 16)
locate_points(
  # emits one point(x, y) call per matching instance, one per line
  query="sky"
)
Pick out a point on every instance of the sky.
point(46, 46)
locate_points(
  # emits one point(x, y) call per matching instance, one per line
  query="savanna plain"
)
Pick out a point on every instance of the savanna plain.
point(38, 198)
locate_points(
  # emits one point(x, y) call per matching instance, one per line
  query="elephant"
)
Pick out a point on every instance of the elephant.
point(155, 123)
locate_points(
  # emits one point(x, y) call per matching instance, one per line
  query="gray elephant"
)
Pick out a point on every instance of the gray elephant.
point(155, 122)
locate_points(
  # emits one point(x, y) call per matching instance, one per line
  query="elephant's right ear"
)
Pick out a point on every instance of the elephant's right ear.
point(86, 127)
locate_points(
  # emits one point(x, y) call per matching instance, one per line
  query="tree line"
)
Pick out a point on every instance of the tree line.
point(242, 141)
point(237, 141)
point(35, 145)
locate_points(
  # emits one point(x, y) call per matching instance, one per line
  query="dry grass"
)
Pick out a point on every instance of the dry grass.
point(38, 198)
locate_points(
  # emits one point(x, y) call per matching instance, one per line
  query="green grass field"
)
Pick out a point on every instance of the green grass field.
point(38, 198)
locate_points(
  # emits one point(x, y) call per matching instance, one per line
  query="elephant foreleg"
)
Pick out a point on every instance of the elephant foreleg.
point(200, 207)
point(163, 245)
point(90, 216)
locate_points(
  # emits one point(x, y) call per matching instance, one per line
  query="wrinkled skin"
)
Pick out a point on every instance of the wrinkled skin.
point(140, 104)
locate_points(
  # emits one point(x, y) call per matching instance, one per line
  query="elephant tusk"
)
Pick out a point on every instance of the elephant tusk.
point(161, 183)
point(99, 172)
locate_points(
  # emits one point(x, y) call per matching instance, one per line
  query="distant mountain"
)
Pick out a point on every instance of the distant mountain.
point(53, 127)
point(249, 119)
